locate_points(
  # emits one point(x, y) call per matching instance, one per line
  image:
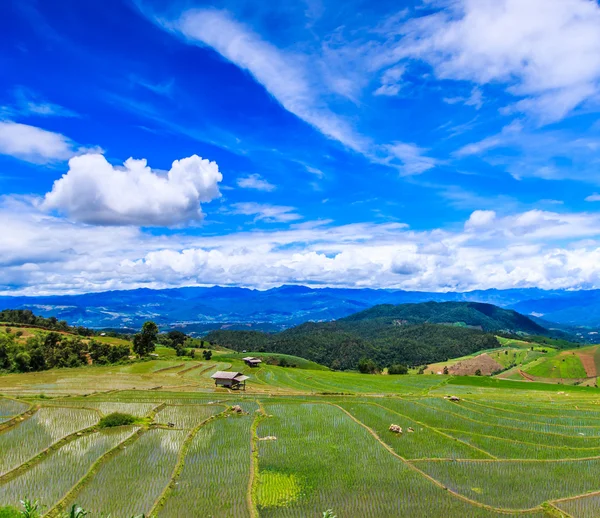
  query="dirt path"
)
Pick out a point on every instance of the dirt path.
point(528, 377)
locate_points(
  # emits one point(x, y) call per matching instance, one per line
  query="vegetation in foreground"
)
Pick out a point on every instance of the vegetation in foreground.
point(287, 453)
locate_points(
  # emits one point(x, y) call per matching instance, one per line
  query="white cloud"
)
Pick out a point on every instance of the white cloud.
point(94, 191)
point(255, 181)
point(27, 103)
point(547, 51)
point(265, 212)
point(315, 86)
point(283, 74)
point(593, 197)
point(480, 218)
point(41, 253)
point(413, 159)
point(475, 99)
point(391, 81)
point(33, 144)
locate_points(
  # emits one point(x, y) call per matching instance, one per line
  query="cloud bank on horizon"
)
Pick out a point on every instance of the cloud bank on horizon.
point(426, 145)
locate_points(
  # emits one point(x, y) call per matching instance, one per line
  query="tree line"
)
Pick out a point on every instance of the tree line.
point(53, 350)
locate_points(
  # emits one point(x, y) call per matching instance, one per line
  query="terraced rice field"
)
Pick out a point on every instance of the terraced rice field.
point(32, 436)
point(132, 481)
point(308, 441)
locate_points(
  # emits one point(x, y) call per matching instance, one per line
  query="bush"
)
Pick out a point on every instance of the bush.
point(398, 368)
point(9, 512)
point(368, 366)
point(116, 419)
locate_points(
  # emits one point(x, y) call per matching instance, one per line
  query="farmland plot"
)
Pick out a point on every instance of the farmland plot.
point(510, 449)
point(516, 484)
point(44, 428)
point(108, 407)
point(186, 416)
point(423, 442)
point(535, 424)
point(449, 421)
point(130, 482)
point(10, 408)
point(548, 416)
point(54, 476)
point(585, 507)
point(215, 476)
point(322, 459)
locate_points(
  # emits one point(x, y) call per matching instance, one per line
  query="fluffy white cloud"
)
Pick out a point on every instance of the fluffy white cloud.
point(265, 212)
point(94, 191)
point(33, 144)
point(255, 181)
point(40, 253)
point(593, 197)
point(547, 51)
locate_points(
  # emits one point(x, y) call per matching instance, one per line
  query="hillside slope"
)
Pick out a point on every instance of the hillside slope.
point(485, 317)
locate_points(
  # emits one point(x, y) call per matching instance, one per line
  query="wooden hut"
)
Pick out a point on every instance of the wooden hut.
point(251, 361)
point(232, 380)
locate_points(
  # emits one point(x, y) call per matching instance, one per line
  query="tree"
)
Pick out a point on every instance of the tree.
point(445, 370)
point(177, 338)
point(398, 368)
point(368, 366)
point(207, 355)
point(144, 342)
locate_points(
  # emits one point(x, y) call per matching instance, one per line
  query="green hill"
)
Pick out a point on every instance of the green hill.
point(485, 317)
point(409, 334)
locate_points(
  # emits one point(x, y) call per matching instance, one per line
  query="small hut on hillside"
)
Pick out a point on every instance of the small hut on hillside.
point(252, 361)
point(232, 380)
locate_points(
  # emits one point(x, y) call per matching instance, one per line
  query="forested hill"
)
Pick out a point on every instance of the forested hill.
point(485, 317)
point(410, 334)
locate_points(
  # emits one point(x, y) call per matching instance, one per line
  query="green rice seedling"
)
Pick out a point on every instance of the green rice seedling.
point(215, 476)
point(108, 407)
point(516, 484)
point(503, 448)
point(186, 416)
point(579, 418)
point(54, 476)
point(451, 420)
point(10, 408)
point(584, 507)
point(535, 424)
point(338, 464)
point(131, 481)
point(420, 442)
point(44, 428)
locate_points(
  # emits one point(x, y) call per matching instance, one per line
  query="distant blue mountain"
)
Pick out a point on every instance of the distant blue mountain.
point(286, 306)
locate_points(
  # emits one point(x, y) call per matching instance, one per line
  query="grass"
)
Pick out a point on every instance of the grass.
point(563, 365)
point(116, 419)
point(300, 363)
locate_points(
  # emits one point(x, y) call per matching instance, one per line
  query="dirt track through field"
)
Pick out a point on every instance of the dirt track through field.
point(588, 362)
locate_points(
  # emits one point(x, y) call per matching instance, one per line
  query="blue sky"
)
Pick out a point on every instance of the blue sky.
point(430, 145)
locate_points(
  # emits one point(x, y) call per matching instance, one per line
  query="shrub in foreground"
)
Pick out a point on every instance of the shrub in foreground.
point(116, 419)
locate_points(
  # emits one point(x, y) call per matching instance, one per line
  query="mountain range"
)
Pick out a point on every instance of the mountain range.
point(200, 309)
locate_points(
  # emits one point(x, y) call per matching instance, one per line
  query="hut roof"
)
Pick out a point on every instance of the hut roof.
point(226, 375)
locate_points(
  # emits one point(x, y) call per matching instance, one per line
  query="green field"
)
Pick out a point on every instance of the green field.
point(307, 440)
